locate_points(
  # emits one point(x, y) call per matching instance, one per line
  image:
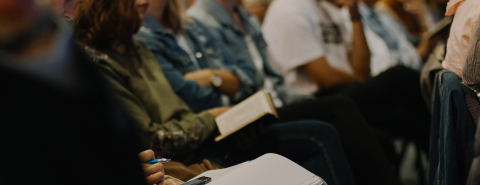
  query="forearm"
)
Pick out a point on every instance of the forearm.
point(360, 55)
point(178, 137)
point(336, 78)
point(198, 98)
point(424, 48)
point(231, 84)
point(326, 76)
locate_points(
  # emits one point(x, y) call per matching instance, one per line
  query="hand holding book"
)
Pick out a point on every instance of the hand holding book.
point(249, 135)
point(246, 112)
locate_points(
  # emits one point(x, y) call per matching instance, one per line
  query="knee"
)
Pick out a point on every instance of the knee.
point(404, 73)
point(306, 129)
point(341, 104)
point(317, 130)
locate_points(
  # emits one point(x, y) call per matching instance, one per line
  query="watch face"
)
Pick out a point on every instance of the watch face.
point(217, 81)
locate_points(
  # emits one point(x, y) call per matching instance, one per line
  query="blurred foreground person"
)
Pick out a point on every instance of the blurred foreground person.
point(59, 125)
point(170, 128)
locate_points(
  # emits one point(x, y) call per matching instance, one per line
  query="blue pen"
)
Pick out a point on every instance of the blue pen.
point(162, 160)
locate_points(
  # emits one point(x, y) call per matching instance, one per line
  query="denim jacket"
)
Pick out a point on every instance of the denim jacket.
point(214, 15)
point(209, 52)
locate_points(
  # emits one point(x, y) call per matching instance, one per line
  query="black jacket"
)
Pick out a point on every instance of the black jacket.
point(75, 134)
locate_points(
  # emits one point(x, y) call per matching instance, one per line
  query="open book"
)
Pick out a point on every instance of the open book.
point(244, 113)
point(267, 169)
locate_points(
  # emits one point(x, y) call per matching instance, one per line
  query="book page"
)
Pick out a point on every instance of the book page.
point(216, 174)
point(269, 169)
point(243, 113)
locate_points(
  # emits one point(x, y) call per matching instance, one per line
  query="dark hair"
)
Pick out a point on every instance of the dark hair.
point(104, 23)
point(172, 15)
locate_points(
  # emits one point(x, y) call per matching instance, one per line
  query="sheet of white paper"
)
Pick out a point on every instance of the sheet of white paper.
point(268, 169)
point(216, 174)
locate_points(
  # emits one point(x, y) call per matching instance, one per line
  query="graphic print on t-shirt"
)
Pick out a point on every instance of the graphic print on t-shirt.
point(331, 33)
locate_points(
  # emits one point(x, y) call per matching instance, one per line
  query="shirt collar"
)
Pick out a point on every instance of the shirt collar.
point(217, 11)
point(152, 25)
point(221, 16)
point(364, 9)
point(452, 6)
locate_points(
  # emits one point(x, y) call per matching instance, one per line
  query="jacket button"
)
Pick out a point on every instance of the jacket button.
point(198, 55)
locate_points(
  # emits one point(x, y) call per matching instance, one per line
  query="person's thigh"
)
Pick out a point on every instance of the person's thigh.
point(314, 145)
point(393, 101)
point(357, 137)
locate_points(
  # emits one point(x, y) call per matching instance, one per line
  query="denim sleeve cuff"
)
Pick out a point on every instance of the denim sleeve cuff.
point(247, 87)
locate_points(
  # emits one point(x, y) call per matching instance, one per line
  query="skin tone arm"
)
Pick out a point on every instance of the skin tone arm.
point(218, 111)
point(155, 173)
point(230, 85)
point(326, 76)
point(360, 56)
point(426, 45)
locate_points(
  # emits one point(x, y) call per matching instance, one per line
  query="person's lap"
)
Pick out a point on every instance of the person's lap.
point(392, 101)
point(358, 139)
point(314, 145)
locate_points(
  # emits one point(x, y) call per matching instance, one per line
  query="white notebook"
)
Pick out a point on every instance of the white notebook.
point(268, 169)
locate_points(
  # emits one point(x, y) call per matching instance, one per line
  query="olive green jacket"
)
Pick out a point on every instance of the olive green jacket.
point(171, 129)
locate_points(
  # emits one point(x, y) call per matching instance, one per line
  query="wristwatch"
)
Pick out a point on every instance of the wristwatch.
point(217, 80)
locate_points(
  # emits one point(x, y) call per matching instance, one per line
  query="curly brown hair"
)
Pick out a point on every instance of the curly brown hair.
point(105, 23)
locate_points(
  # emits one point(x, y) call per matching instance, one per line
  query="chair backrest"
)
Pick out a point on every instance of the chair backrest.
point(452, 130)
point(474, 176)
point(471, 78)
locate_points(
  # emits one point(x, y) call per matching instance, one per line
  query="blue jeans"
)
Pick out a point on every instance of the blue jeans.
point(314, 145)
point(452, 132)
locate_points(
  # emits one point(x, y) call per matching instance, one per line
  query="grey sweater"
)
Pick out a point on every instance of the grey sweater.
point(471, 78)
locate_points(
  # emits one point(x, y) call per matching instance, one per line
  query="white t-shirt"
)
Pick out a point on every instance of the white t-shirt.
point(300, 31)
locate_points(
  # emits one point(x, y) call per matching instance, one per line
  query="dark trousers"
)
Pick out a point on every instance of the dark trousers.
point(314, 145)
point(365, 156)
point(392, 101)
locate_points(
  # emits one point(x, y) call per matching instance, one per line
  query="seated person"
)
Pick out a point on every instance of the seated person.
point(400, 49)
point(59, 123)
point(314, 58)
point(412, 23)
point(170, 128)
point(176, 57)
point(383, 112)
point(211, 75)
